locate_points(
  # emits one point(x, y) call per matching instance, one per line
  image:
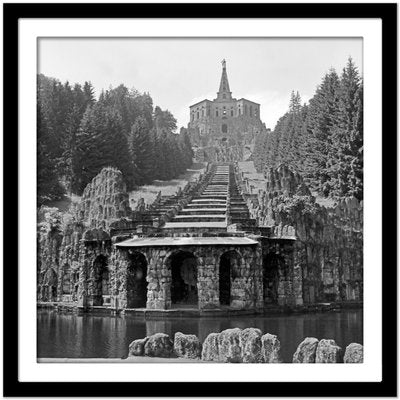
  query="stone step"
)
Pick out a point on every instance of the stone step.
point(188, 225)
point(203, 200)
point(206, 205)
point(197, 211)
point(199, 218)
point(211, 196)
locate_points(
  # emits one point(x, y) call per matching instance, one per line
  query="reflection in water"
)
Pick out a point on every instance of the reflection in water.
point(90, 336)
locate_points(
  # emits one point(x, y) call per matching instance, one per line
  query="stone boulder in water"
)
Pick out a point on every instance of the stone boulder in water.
point(187, 346)
point(354, 354)
point(250, 343)
point(210, 350)
point(306, 350)
point(159, 345)
point(136, 348)
point(270, 349)
point(229, 347)
point(328, 352)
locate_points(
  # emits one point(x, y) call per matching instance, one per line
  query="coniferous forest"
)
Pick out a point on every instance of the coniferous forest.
point(79, 135)
point(322, 140)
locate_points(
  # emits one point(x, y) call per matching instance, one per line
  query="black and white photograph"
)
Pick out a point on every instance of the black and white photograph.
point(203, 199)
point(200, 208)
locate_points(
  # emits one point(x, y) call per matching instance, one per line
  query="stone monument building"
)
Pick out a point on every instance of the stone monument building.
point(224, 120)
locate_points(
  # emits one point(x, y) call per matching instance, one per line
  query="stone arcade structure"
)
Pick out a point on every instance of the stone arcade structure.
point(221, 127)
point(198, 251)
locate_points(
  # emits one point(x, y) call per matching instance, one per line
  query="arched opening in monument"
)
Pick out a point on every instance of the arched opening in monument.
point(224, 128)
point(183, 265)
point(136, 281)
point(273, 265)
point(66, 280)
point(228, 271)
point(101, 282)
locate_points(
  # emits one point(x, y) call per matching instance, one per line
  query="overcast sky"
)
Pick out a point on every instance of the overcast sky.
point(181, 72)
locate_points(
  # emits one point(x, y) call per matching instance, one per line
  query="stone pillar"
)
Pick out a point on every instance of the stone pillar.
point(208, 278)
point(118, 268)
point(297, 276)
point(258, 278)
point(159, 280)
point(83, 277)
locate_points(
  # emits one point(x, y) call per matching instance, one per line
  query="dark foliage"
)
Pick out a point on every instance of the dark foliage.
point(78, 136)
point(323, 140)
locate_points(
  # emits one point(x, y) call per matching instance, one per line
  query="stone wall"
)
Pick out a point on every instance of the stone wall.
point(104, 199)
point(329, 240)
point(49, 241)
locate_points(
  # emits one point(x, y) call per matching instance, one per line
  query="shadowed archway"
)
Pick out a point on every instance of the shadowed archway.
point(101, 282)
point(183, 266)
point(228, 268)
point(273, 266)
point(136, 280)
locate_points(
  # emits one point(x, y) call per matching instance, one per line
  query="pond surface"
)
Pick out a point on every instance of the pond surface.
point(93, 336)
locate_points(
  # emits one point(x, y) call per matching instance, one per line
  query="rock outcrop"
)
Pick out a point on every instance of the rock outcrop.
point(306, 351)
point(270, 349)
point(250, 342)
point(104, 199)
point(328, 352)
point(159, 345)
point(136, 348)
point(229, 346)
point(329, 238)
point(210, 351)
point(187, 346)
point(354, 354)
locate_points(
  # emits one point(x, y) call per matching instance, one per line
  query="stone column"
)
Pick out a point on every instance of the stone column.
point(159, 280)
point(258, 278)
point(118, 269)
point(297, 276)
point(208, 278)
point(84, 263)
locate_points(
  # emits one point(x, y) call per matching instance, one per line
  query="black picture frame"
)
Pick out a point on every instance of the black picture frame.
point(12, 13)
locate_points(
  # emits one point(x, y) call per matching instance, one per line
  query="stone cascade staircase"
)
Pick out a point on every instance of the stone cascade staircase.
point(238, 210)
point(216, 206)
point(207, 209)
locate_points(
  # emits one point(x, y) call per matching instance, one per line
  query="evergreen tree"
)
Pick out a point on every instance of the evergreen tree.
point(77, 136)
point(48, 186)
point(321, 118)
point(141, 150)
point(323, 140)
point(100, 143)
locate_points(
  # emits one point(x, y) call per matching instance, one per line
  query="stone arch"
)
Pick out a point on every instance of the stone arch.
point(183, 267)
point(274, 271)
point(229, 265)
point(100, 281)
point(136, 280)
